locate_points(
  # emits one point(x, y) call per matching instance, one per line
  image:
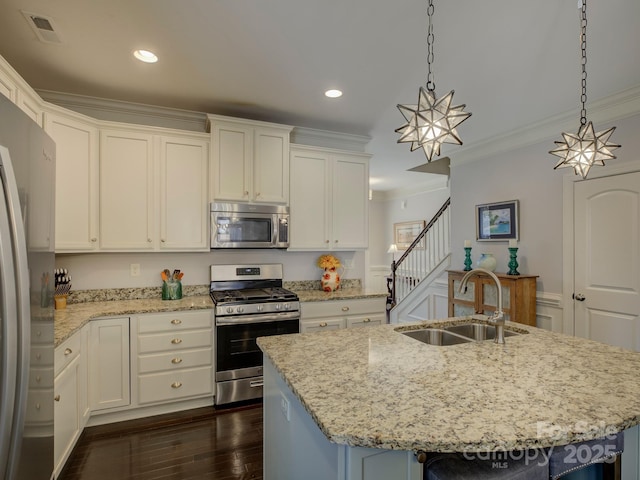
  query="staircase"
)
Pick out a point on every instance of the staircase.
point(425, 260)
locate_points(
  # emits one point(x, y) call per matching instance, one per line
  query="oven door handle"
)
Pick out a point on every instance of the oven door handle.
point(262, 318)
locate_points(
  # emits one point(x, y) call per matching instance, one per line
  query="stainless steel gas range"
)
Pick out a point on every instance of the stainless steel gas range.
point(249, 303)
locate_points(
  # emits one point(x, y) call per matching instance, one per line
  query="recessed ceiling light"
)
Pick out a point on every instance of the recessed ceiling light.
point(333, 93)
point(145, 56)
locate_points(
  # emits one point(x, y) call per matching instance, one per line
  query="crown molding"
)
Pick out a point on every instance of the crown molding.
point(609, 109)
point(128, 112)
point(327, 139)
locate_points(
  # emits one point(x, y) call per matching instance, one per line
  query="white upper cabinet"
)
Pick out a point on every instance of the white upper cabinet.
point(153, 190)
point(76, 180)
point(126, 190)
point(250, 161)
point(329, 199)
point(184, 212)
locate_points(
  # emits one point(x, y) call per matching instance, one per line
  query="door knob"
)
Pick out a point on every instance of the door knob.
point(579, 297)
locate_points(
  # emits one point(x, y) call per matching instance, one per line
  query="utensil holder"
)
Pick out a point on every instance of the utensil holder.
point(172, 290)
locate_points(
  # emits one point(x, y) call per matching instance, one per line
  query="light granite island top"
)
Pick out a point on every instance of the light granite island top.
point(376, 388)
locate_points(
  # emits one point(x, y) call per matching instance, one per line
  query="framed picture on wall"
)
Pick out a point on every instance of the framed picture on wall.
point(497, 221)
point(406, 232)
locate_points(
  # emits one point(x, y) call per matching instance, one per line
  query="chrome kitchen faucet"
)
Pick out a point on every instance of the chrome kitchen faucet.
point(497, 318)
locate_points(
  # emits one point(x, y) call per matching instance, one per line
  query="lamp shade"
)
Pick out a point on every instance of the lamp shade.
point(393, 248)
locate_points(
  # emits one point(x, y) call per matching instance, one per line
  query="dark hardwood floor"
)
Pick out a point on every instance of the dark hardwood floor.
point(204, 443)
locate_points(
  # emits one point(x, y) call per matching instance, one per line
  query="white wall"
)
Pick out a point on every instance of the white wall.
point(112, 270)
point(525, 174)
point(396, 207)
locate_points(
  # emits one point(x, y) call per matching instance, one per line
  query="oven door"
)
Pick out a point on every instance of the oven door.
point(237, 350)
point(244, 230)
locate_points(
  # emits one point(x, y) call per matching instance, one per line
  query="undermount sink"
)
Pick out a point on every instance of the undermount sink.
point(457, 334)
point(436, 336)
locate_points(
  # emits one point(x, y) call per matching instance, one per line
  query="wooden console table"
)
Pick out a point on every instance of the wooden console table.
point(518, 296)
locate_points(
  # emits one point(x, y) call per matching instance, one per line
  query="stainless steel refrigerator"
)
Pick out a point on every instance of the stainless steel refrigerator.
point(27, 174)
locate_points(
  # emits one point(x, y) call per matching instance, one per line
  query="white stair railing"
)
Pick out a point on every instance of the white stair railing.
point(426, 252)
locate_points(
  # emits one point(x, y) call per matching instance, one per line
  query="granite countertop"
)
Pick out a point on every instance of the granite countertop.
point(340, 294)
point(374, 387)
point(72, 318)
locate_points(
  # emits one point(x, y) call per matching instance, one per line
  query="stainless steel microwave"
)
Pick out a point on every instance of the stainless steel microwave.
point(248, 225)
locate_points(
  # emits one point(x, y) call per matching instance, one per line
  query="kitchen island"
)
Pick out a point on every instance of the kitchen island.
point(357, 403)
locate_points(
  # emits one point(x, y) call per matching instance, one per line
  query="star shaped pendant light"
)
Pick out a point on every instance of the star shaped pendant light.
point(587, 148)
point(432, 121)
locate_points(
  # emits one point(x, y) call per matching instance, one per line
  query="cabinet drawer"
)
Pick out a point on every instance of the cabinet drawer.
point(66, 352)
point(175, 321)
point(175, 360)
point(174, 341)
point(366, 320)
point(340, 308)
point(42, 333)
point(321, 324)
point(160, 387)
point(39, 407)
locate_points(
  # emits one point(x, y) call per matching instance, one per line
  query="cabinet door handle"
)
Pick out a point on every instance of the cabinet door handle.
point(176, 360)
point(67, 351)
point(57, 398)
point(579, 297)
point(149, 240)
point(345, 309)
point(366, 320)
point(176, 341)
point(326, 241)
point(94, 239)
point(176, 384)
point(322, 324)
point(176, 321)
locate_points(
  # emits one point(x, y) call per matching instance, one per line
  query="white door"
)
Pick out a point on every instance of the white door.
point(607, 260)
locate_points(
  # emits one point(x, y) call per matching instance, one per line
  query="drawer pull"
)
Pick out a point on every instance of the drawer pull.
point(176, 384)
point(256, 383)
point(345, 309)
point(176, 360)
point(57, 398)
point(366, 320)
point(176, 321)
point(37, 406)
point(322, 324)
point(176, 341)
point(68, 351)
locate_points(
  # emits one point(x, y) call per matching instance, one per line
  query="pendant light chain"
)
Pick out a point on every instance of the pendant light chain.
point(583, 46)
point(431, 84)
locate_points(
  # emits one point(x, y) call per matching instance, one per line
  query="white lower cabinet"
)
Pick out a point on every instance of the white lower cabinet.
point(173, 358)
point(69, 397)
point(335, 314)
point(109, 364)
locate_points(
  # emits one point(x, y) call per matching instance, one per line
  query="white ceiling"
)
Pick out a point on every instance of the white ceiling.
point(513, 63)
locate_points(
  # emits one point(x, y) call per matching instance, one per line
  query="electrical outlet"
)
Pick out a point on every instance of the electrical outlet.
point(284, 406)
point(134, 269)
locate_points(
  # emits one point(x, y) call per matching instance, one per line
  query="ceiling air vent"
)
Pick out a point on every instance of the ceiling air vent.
point(44, 27)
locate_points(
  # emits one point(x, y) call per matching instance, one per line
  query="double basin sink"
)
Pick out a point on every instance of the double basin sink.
point(458, 333)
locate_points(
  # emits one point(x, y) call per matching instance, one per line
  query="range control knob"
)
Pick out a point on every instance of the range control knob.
point(278, 306)
point(239, 309)
point(229, 309)
point(260, 308)
point(286, 306)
